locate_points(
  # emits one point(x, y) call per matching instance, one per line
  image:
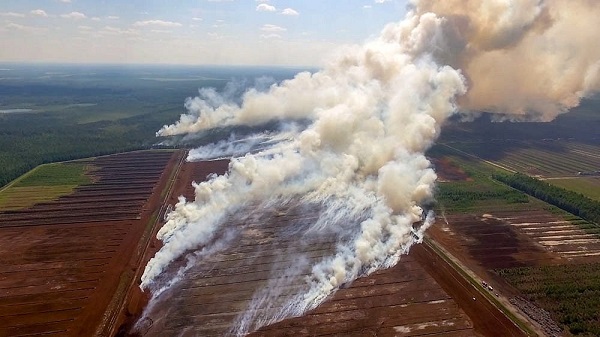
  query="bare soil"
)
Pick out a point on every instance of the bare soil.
point(64, 262)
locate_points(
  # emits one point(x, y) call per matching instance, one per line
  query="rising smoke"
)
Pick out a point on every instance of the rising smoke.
point(374, 110)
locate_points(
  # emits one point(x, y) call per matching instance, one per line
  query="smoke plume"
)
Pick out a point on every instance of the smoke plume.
point(374, 110)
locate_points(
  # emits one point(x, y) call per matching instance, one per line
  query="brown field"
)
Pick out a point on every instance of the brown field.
point(420, 296)
point(66, 263)
point(71, 268)
point(447, 170)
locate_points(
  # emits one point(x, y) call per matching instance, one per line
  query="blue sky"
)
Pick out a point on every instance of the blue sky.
point(266, 32)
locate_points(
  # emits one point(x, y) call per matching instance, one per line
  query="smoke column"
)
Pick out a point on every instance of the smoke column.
point(374, 110)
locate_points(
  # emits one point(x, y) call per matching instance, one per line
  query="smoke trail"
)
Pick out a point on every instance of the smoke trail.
point(374, 110)
point(236, 146)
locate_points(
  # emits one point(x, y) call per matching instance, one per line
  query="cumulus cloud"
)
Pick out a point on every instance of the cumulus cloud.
point(110, 30)
point(12, 15)
point(290, 11)
point(158, 23)
point(272, 28)
point(39, 12)
point(270, 36)
point(24, 28)
point(265, 8)
point(112, 17)
point(74, 16)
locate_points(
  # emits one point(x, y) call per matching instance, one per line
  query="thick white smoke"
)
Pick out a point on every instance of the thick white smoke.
point(374, 110)
point(524, 59)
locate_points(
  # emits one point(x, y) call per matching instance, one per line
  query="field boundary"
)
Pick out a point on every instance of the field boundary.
point(144, 247)
point(466, 274)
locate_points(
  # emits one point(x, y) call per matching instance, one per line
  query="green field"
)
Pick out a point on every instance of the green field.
point(480, 192)
point(537, 158)
point(44, 183)
point(588, 186)
point(571, 293)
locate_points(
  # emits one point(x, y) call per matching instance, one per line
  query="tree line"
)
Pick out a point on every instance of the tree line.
point(572, 202)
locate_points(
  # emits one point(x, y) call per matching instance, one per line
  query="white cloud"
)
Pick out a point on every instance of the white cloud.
point(39, 12)
point(272, 28)
point(74, 15)
point(85, 28)
point(66, 1)
point(95, 18)
point(367, 6)
point(30, 29)
point(215, 36)
point(270, 36)
point(265, 8)
point(381, 1)
point(109, 30)
point(289, 11)
point(197, 19)
point(112, 17)
point(159, 23)
point(13, 15)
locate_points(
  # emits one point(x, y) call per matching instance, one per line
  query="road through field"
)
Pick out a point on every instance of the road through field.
point(487, 318)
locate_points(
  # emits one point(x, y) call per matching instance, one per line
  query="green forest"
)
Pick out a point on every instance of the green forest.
point(570, 292)
point(51, 113)
point(26, 142)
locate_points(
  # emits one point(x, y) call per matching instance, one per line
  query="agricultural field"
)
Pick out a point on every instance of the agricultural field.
point(588, 186)
point(68, 263)
point(420, 296)
point(571, 292)
point(473, 189)
point(507, 237)
point(537, 158)
point(44, 183)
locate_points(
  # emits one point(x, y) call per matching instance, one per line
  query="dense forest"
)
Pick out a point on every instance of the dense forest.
point(54, 113)
point(27, 141)
point(572, 202)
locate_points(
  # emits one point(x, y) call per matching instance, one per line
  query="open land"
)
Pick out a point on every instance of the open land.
point(525, 249)
point(68, 262)
point(72, 251)
point(72, 264)
point(420, 296)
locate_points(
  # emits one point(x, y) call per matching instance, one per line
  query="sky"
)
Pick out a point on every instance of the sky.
point(227, 32)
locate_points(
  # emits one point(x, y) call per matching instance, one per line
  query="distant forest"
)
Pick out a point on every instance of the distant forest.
point(27, 140)
point(54, 113)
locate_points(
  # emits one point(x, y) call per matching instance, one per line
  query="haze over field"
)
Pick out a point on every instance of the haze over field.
point(373, 111)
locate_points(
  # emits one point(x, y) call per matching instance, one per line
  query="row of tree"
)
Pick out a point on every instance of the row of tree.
point(572, 202)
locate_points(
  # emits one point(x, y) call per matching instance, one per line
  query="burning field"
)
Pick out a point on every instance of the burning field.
point(341, 188)
point(259, 265)
point(312, 219)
